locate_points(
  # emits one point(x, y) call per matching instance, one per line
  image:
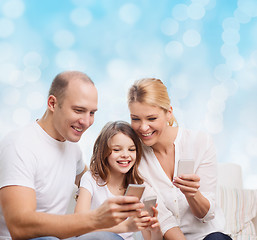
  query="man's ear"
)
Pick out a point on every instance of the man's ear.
point(51, 103)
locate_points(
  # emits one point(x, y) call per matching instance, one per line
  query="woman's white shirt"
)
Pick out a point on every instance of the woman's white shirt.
point(188, 145)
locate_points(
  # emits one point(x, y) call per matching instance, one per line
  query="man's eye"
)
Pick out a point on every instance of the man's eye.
point(78, 110)
point(92, 113)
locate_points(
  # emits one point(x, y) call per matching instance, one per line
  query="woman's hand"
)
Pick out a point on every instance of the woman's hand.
point(188, 184)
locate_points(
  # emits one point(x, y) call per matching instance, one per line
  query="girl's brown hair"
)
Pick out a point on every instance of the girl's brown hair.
point(151, 91)
point(99, 165)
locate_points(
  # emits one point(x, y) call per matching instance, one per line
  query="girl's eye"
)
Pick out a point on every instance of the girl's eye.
point(115, 150)
point(132, 149)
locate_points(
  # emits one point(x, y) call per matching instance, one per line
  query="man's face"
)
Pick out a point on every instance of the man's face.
point(76, 112)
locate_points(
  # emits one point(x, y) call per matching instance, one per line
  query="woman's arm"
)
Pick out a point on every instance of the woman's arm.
point(174, 234)
point(189, 186)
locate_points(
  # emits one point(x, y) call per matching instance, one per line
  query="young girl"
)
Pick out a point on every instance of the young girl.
point(114, 165)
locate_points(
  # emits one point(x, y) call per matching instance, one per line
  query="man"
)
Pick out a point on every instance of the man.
point(40, 163)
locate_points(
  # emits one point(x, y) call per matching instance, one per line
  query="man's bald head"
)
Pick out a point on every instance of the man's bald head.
point(62, 80)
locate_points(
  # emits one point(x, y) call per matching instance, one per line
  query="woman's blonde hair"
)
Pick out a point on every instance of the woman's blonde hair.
point(151, 91)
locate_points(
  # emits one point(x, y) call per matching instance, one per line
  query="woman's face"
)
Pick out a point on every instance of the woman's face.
point(149, 122)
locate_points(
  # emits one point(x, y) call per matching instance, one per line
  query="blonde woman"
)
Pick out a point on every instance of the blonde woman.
point(190, 197)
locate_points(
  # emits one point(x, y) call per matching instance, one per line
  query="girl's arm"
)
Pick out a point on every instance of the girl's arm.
point(84, 201)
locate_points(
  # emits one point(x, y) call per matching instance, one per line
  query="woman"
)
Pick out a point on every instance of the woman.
point(190, 197)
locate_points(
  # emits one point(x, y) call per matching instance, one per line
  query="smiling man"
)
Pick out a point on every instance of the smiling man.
point(40, 163)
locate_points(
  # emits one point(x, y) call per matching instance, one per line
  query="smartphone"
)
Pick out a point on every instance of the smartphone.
point(185, 166)
point(135, 190)
point(150, 202)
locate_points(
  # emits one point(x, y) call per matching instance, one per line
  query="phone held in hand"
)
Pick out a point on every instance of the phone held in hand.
point(150, 202)
point(135, 190)
point(185, 166)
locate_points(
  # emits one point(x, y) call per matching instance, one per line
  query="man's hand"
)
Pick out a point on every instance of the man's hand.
point(115, 210)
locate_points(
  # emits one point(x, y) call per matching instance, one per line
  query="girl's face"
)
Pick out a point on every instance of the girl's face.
point(123, 153)
point(149, 122)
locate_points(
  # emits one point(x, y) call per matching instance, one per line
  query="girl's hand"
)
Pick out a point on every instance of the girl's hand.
point(138, 223)
point(188, 184)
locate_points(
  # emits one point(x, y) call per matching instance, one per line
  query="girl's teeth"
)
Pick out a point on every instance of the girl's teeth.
point(147, 134)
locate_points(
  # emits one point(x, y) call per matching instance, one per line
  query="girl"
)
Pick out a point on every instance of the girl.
point(114, 165)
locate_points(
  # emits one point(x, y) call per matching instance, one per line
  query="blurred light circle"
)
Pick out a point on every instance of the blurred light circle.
point(231, 36)
point(251, 146)
point(216, 106)
point(196, 11)
point(66, 59)
point(81, 17)
point(229, 50)
point(11, 96)
point(231, 86)
point(31, 74)
point(6, 69)
point(32, 59)
point(241, 16)
point(222, 72)
point(35, 100)
point(174, 49)
point(214, 123)
point(235, 63)
point(7, 51)
point(129, 13)
point(231, 23)
point(201, 2)
point(13, 8)
point(191, 38)
point(21, 116)
point(179, 12)
point(219, 92)
point(6, 28)
point(254, 58)
point(117, 69)
point(169, 26)
point(64, 39)
point(249, 7)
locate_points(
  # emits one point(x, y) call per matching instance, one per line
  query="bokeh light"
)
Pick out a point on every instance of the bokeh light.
point(204, 51)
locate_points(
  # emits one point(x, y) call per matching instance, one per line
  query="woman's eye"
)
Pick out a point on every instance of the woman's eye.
point(152, 119)
point(135, 119)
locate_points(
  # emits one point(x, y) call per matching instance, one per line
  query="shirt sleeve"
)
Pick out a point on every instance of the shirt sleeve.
point(80, 164)
point(17, 166)
point(207, 171)
point(88, 182)
point(165, 216)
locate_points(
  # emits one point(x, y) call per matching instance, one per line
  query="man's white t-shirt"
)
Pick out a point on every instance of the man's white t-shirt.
point(31, 158)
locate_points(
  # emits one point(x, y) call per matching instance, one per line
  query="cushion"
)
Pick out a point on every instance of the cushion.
point(239, 207)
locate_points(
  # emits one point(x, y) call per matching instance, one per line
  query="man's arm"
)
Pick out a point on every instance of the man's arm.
point(19, 209)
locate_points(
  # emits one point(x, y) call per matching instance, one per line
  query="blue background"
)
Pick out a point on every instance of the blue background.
point(204, 51)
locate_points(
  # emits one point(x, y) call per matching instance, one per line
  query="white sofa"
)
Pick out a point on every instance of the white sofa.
point(239, 205)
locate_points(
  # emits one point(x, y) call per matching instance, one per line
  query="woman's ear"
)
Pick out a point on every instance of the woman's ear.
point(170, 113)
point(51, 103)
